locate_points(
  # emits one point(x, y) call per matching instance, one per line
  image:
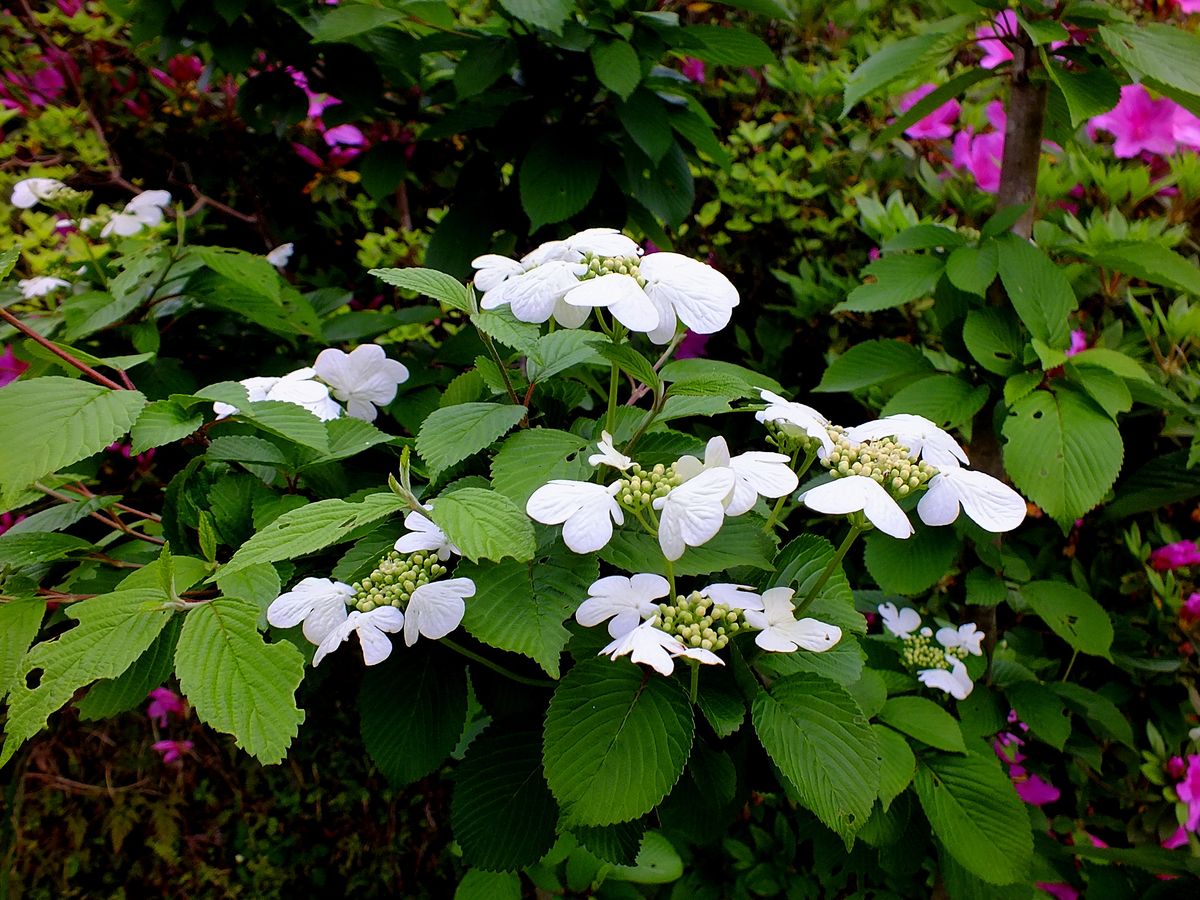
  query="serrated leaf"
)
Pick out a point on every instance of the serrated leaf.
point(898, 765)
point(1072, 615)
point(924, 720)
point(644, 119)
point(657, 862)
point(245, 448)
point(19, 623)
point(976, 814)
point(814, 731)
point(548, 14)
point(1040, 708)
point(560, 350)
point(21, 550)
point(50, 422)
point(346, 22)
point(993, 337)
point(237, 683)
point(116, 695)
point(557, 178)
point(429, 283)
point(502, 813)
point(726, 46)
point(1103, 716)
point(946, 400)
point(899, 279)
point(912, 566)
point(484, 524)
point(893, 62)
point(740, 542)
point(617, 66)
point(112, 631)
point(64, 515)
point(1163, 55)
point(163, 422)
point(973, 269)
point(1038, 290)
point(535, 456)
point(721, 702)
point(479, 884)
point(451, 434)
point(1088, 94)
point(412, 710)
point(485, 63)
point(874, 362)
point(1113, 361)
point(615, 742)
point(287, 420)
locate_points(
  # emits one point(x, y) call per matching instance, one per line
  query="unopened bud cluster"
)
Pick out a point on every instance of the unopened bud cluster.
point(642, 486)
point(394, 580)
point(612, 265)
point(699, 622)
point(887, 462)
point(920, 652)
point(788, 441)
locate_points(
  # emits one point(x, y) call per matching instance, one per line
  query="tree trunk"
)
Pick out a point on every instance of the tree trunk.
point(1023, 134)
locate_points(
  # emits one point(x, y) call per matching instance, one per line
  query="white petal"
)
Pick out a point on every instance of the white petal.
point(436, 609)
point(735, 596)
point(922, 437)
point(337, 637)
point(939, 505)
point(775, 640)
point(991, 503)
point(603, 242)
point(693, 512)
point(955, 682)
point(813, 635)
point(649, 645)
point(855, 493)
point(608, 455)
point(622, 295)
point(570, 316)
point(557, 500)
point(702, 656)
point(668, 322)
point(900, 622)
point(376, 645)
point(493, 269)
point(532, 296)
point(325, 618)
point(280, 256)
point(590, 528)
point(702, 297)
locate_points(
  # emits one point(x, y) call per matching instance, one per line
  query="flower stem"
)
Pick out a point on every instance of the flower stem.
point(695, 679)
point(487, 342)
point(855, 531)
point(670, 576)
point(59, 352)
point(614, 378)
point(496, 667)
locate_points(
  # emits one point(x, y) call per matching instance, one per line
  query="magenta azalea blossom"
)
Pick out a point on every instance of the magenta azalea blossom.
point(1189, 792)
point(1178, 839)
point(1139, 123)
point(935, 126)
point(164, 703)
point(1078, 342)
point(1190, 611)
point(1058, 890)
point(692, 345)
point(172, 751)
point(1175, 556)
point(10, 367)
point(1033, 789)
point(981, 155)
point(693, 69)
point(995, 51)
point(1188, 6)
point(1186, 127)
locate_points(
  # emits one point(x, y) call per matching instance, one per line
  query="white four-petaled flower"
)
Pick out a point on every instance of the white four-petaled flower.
point(735, 596)
point(608, 455)
point(362, 379)
point(955, 681)
point(796, 418)
point(320, 603)
point(686, 290)
point(29, 192)
point(966, 636)
point(436, 609)
point(900, 622)
point(40, 286)
point(143, 211)
point(296, 387)
point(756, 473)
point(657, 649)
point(858, 493)
point(623, 601)
point(923, 439)
point(991, 503)
point(781, 632)
point(586, 511)
point(693, 512)
point(424, 534)
point(281, 255)
point(372, 629)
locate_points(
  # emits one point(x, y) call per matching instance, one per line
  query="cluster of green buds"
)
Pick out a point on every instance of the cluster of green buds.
point(920, 652)
point(788, 440)
point(612, 265)
point(699, 622)
point(886, 461)
point(641, 486)
point(395, 578)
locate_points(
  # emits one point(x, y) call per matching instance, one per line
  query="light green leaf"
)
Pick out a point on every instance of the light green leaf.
point(1164, 54)
point(898, 765)
point(894, 62)
point(816, 734)
point(431, 283)
point(657, 862)
point(19, 622)
point(450, 435)
point(64, 515)
point(973, 269)
point(1072, 615)
point(560, 350)
point(548, 14)
point(993, 337)
point(1150, 262)
point(504, 327)
point(251, 272)
point(484, 524)
point(924, 720)
point(696, 367)
point(977, 815)
point(1088, 94)
point(238, 683)
point(557, 178)
point(478, 884)
point(21, 550)
point(874, 362)
point(632, 364)
point(535, 456)
point(726, 46)
point(946, 400)
point(617, 66)
point(129, 689)
point(289, 421)
point(1038, 289)
point(615, 742)
point(245, 448)
point(912, 566)
point(1114, 361)
point(50, 422)
point(1108, 390)
point(899, 278)
point(163, 422)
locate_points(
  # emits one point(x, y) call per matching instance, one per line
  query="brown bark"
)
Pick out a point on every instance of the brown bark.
point(1023, 134)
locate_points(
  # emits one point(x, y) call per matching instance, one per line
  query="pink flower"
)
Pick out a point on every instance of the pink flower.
point(7, 521)
point(1176, 768)
point(309, 156)
point(1032, 789)
point(995, 52)
point(172, 750)
point(1178, 839)
point(1139, 123)
point(1189, 792)
point(10, 367)
point(873, 254)
point(1078, 342)
point(1059, 890)
point(1175, 556)
point(1188, 6)
point(692, 346)
point(164, 703)
point(1185, 127)
point(935, 126)
point(70, 7)
point(981, 155)
point(185, 68)
point(693, 69)
point(1190, 611)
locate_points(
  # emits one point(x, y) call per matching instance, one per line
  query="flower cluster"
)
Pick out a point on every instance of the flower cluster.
point(362, 379)
point(402, 593)
point(600, 268)
point(146, 210)
point(937, 665)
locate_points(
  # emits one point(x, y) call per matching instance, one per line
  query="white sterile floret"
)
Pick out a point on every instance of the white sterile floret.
point(319, 603)
point(586, 511)
point(858, 493)
point(29, 192)
point(424, 534)
point(686, 290)
point(735, 596)
point(657, 649)
point(280, 256)
point(756, 473)
point(625, 602)
point(955, 681)
point(608, 455)
point(923, 439)
point(796, 418)
point(436, 609)
point(622, 296)
point(372, 629)
point(362, 379)
point(143, 211)
point(900, 622)
point(966, 636)
point(692, 513)
point(40, 286)
point(295, 387)
point(989, 502)
point(781, 632)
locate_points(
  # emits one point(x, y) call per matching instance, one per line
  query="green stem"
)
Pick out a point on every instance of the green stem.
point(487, 342)
point(614, 378)
point(1067, 674)
point(495, 667)
point(855, 531)
point(695, 679)
point(670, 576)
point(775, 512)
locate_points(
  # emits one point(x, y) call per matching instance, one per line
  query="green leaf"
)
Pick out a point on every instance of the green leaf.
point(50, 422)
point(657, 862)
point(1072, 615)
point(1061, 452)
point(19, 623)
point(535, 456)
point(973, 269)
point(740, 542)
point(450, 435)
point(238, 683)
point(21, 550)
point(412, 711)
point(484, 524)
point(644, 119)
point(721, 703)
point(816, 734)
point(977, 815)
point(1165, 55)
point(1150, 262)
point(700, 135)
point(1103, 716)
point(617, 66)
point(346, 22)
point(898, 765)
point(892, 63)
point(899, 279)
point(1114, 361)
point(129, 689)
point(613, 843)
point(251, 272)
point(503, 814)
point(289, 421)
point(431, 283)
point(1165, 479)
point(503, 326)
point(924, 720)
point(521, 606)
point(1088, 94)
point(615, 742)
point(1108, 390)
point(874, 362)
point(560, 350)
point(56, 518)
point(946, 400)
point(8, 259)
point(912, 566)
point(632, 364)
point(163, 422)
point(726, 46)
point(478, 884)
point(1044, 713)
point(993, 337)
point(557, 178)
point(480, 68)
point(1038, 289)
point(112, 631)
point(548, 14)
point(923, 237)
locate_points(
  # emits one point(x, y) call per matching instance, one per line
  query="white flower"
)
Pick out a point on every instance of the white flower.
point(280, 256)
point(900, 622)
point(295, 387)
point(922, 438)
point(40, 286)
point(781, 632)
point(424, 534)
point(966, 636)
point(796, 418)
point(991, 503)
point(693, 512)
point(608, 455)
point(143, 211)
point(491, 270)
point(362, 379)
point(657, 649)
point(537, 294)
point(623, 297)
point(684, 288)
point(735, 596)
point(372, 629)
point(858, 493)
point(624, 601)
point(586, 511)
point(756, 474)
point(955, 682)
point(319, 603)
point(28, 192)
point(436, 609)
